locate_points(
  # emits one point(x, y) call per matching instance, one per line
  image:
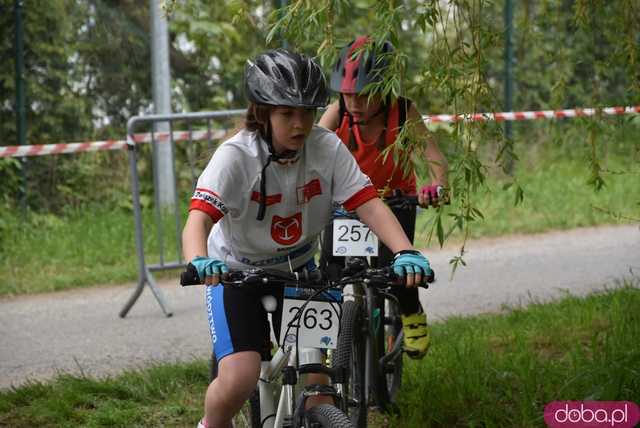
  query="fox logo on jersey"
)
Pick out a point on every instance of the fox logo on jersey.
point(286, 230)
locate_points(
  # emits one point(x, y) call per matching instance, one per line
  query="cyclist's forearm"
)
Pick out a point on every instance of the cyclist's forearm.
point(437, 163)
point(384, 224)
point(331, 117)
point(195, 233)
point(433, 156)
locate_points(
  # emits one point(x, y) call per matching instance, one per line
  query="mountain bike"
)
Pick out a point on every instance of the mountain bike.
point(370, 345)
point(310, 325)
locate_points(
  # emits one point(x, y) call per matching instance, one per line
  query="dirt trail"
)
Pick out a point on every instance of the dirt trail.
point(79, 331)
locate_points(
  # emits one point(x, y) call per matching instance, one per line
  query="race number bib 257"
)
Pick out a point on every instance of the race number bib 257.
point(353, 238)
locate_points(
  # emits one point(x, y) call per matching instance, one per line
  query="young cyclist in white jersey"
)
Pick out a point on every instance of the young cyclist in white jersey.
point(262, 200)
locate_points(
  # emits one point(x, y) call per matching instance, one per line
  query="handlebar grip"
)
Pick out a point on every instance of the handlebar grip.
point(388, 274)
point(190, 276)
point(443, 194)
point(430, 278)
point(403, 202)
point(427, 280)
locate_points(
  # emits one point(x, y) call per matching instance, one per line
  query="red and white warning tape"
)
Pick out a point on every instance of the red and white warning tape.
point(529, 115)
point(93, 146)
point(49, 149)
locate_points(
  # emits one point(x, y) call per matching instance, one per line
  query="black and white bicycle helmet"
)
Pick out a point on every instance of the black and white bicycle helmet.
point(283, 78)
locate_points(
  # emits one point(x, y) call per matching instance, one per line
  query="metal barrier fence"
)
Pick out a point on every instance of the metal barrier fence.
point(145, 275)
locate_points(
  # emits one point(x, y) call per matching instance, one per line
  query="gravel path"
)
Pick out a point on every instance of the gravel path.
point(79, 331)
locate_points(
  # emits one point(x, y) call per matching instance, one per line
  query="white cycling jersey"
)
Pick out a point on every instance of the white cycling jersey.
point(299, 200)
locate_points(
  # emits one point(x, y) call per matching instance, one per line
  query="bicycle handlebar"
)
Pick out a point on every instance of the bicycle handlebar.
point(255, 276)
point(398, 200)
point(382, 277)
point(402, 201)
point(189, 276)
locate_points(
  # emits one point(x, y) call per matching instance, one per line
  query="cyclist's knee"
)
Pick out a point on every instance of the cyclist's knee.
point(238, 373)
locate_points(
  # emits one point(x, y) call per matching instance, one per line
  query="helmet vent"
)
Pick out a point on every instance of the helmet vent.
point(275, 72)
point(287, 77)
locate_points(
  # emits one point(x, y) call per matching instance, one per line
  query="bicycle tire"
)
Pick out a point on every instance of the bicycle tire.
point(387, 377)
point(350, 354)
point(326, 416)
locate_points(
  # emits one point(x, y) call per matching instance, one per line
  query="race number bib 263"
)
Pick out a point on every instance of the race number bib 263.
point(318, 324)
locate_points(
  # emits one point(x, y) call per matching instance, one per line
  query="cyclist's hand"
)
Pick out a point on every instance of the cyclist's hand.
point(412, 266)
point(432, 195)
point(209, 269)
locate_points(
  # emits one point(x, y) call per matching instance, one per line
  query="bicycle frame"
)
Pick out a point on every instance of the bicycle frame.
point(284, 358)
point(290, 360)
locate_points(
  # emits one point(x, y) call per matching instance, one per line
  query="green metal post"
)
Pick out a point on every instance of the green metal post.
point(508, 77)
point(280, 5)
point(21, 114)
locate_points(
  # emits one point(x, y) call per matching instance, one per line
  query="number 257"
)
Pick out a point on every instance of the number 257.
point(353, 234)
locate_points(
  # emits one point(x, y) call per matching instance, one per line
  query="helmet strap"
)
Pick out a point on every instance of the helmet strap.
point(263, 176)
point(263, 190)
point(382, 140)
point(288, 157)
point(380, 144)
point(381, 110)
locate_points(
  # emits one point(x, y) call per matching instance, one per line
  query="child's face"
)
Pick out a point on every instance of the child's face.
point(361, 107)
point(290, 127)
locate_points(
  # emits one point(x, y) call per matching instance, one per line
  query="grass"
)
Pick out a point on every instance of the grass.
point(555, 198)
point(168, 396)
point(502, 370)
point(50, 253)
point(489, 370)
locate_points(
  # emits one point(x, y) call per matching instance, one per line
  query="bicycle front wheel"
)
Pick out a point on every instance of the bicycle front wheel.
point(350, 354)
point(326, 416)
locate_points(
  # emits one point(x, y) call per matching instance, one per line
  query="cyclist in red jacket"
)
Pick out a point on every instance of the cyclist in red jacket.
point(369, 124)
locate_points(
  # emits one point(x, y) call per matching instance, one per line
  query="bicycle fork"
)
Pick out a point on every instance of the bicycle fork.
point(283, 362)
point(269, 371)
point(371, 365)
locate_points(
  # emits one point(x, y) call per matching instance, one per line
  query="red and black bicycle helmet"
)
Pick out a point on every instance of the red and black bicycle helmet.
point(352, 73)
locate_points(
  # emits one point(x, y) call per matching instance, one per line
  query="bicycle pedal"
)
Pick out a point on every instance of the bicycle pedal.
point(353, 403)
point(389, 368)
